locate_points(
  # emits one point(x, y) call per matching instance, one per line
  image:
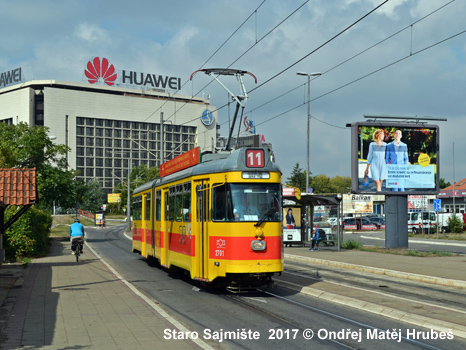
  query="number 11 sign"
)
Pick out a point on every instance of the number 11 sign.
point(255, 158)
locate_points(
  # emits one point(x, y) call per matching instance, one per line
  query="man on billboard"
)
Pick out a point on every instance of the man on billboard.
point(397, 153)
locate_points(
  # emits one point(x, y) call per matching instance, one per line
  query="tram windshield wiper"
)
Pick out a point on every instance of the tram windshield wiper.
point(265, 216)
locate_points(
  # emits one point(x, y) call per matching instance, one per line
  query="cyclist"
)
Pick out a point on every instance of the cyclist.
point(77, 232)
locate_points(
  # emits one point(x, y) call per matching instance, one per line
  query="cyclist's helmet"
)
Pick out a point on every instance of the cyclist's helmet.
point(76, 220)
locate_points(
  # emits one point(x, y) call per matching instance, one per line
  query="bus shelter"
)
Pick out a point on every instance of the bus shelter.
point(303, 209)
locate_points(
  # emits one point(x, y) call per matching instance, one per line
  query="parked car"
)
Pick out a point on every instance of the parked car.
point(377, 221)
point(359, 223)
point(332, 221)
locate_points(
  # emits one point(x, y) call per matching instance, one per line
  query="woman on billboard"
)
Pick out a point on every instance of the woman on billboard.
point(376, 159)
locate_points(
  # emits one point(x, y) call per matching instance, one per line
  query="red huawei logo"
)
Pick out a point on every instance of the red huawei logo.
point(96, 70)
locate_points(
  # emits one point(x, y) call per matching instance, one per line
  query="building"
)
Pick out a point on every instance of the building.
point(454, 197)
point(112, 128)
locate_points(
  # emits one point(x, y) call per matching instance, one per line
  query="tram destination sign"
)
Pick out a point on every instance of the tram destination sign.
point(183, 161)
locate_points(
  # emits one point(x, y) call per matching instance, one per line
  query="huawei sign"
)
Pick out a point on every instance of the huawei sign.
point(97, 69)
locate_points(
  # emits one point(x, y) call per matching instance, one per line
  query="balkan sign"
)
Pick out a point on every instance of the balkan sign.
point(11, 77)
point(183, 161)
point(101, 70)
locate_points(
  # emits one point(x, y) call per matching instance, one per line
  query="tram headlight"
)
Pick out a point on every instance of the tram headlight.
point(258, 245)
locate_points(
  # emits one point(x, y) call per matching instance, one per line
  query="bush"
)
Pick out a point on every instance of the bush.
point(351, 244)
point(29, 235)
point(454, 224)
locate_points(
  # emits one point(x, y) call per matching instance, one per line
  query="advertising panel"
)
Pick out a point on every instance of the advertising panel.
point(291, 224)
point(394, 158)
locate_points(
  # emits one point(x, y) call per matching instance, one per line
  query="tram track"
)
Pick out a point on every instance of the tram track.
point(282, 310)
point(448, 298)
point(292, 321)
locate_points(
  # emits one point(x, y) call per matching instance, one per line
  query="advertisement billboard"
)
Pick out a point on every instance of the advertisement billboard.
point(394, 158)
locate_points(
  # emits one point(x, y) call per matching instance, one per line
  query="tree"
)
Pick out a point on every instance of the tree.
point(94, 195)
point(139, 175)
point(340, 184)
point(297, 178)
point(22, 146)
point(443, 184)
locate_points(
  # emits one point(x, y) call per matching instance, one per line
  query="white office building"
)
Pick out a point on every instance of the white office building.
point(109, 128)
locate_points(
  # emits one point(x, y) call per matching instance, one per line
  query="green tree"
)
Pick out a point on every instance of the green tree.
point(93, 197)
point(139, 175)
point(455, 225)
point(443, 184)
point(297, 178)
point(22, 146)
point(340, 184)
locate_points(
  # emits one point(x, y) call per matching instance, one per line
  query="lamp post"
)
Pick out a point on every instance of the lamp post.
point(308, 119)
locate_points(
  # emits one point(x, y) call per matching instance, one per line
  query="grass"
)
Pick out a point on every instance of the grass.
point(62, 224)
point(407, 252)
point(446, 236)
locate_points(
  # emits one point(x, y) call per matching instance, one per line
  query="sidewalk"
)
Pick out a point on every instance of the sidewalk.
point(63, 304)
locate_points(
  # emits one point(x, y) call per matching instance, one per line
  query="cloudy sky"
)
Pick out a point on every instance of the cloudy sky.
point(407, 58)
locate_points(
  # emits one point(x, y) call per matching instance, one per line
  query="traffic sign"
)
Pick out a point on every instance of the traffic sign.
point(437, 204)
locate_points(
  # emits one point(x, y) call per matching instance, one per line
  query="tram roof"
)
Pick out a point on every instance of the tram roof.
point(215, 163)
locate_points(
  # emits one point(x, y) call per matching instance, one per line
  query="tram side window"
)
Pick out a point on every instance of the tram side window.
point(166, 206)
point(219, 203)
point(137, 208)
point(158, 205)
point(171, 204)
point(179, 202)
point(187, 202)
point(147, 212)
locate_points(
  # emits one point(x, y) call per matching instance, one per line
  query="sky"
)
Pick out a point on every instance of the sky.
point(406, 58)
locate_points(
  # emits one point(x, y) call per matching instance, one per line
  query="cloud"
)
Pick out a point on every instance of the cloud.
point(91, 33)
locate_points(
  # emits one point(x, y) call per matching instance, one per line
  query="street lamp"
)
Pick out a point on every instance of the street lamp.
point(308, 118)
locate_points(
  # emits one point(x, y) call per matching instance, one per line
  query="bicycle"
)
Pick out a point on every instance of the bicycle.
point(77, 246)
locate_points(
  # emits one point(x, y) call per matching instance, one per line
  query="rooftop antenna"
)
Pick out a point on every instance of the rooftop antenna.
point(240, 99)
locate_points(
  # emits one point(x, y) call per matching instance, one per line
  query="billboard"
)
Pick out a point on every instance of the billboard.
point(394, 158)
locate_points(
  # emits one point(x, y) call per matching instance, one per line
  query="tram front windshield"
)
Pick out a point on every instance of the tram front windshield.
point(247, 202)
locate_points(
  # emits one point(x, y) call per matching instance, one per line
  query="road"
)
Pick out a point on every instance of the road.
point(277, 318)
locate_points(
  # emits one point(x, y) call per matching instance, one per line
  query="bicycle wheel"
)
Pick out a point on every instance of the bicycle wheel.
point(76, 253)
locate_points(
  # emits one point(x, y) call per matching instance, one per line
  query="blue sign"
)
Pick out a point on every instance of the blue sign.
point(207, 117)
point(437, 204)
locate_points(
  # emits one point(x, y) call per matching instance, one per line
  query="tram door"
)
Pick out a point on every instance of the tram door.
point(164, 228)
point(202, 220)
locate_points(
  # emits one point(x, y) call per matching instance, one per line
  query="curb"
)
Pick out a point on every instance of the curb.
point(426, 322)
point(379, 271)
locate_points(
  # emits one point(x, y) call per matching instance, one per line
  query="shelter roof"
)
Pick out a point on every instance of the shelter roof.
point(18, 186)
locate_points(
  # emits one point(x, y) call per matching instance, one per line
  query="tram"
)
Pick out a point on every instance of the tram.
point(220, 219)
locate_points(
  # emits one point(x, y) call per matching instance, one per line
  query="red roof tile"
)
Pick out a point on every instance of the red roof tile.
point(18, 186)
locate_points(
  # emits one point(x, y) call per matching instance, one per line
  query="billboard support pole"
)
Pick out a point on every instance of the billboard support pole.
point(396, 221)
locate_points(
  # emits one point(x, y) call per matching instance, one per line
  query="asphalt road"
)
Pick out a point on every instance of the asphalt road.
point(277, 318)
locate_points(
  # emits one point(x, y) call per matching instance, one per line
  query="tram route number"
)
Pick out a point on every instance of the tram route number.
point(279, 334)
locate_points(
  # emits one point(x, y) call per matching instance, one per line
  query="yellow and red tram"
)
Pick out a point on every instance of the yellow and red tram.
point(219, 220)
